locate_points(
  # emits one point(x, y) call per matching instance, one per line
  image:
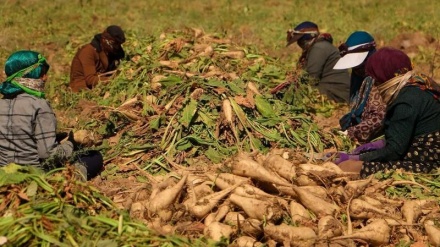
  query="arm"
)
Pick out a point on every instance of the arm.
point(87, 58)
point(45, 126)
point(398, 134)
point(371, 119)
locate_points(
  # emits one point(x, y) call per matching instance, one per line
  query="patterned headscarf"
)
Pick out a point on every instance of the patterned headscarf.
point(392, 70)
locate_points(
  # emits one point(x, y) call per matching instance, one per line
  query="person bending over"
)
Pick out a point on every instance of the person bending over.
point(28, 123)
point(95, 62)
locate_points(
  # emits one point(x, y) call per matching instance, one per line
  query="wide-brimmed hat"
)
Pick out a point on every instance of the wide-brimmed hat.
point(355, 50)
point(305, 30)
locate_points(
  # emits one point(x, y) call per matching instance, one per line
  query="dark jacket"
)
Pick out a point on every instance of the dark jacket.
point(321, 59)
point(413, 113)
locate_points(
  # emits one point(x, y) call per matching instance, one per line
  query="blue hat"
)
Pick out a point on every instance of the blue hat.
point(355, 50)
point(305, 30)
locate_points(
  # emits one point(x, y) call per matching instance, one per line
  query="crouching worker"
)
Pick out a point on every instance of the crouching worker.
point(28, 124)
point(412, 120)
point(95, 62)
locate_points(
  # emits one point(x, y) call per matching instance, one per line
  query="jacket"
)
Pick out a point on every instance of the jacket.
point(27, 131)
point(321, 59)
point(87, 64)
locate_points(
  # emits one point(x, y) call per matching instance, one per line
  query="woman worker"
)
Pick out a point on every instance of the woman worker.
point(412, 120)
point(28, 124)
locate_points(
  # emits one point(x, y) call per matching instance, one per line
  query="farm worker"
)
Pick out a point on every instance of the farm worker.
point(364, 121)
point(318, 58)
point(28, 124)
point(95, 62)
point(412, 120)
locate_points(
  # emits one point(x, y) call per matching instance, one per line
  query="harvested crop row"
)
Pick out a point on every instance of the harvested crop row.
point(219, 205)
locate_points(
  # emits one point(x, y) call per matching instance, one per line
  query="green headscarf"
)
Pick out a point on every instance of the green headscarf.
point(13, 84)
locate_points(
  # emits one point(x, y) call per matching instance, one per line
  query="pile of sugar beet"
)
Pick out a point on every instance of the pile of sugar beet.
point(277, 199)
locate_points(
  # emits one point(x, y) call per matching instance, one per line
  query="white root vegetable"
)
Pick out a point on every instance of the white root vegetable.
point(257, 209)
point(204, 205)
point(245, 241)
point(386, 201)
point(234, 54)
point(83, 137)
point(281, 166)
point(225, 180)
point(377, 187)
point(249, 227)
point(234, 219)
point(202, 190)
point(318, 170)
point(209, 218)
point(222, 211)
point(411, 210)
point(250, 191)
point(318, 191)
point(371, 201)
point(296, 236)
point(432, 232)
point(217, 230)
point(163, 199)
point(332, 166)
point(253, 88)
point(377, 233)
point(391, 222)
point(360, 209)
point(247, 167)
point(317, 205)
point(329, 227)
point(227, 110)
point(164, 214)
point(304, 180)
point(137, 209)
point(297, 212)
point(354, 189)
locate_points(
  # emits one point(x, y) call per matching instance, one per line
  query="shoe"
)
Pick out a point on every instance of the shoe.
point(80, 171)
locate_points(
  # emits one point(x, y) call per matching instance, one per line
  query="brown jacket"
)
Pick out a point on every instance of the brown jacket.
point(85, 67)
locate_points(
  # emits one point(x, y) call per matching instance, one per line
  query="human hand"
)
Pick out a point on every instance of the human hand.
point(369, 147)
point(344, 157)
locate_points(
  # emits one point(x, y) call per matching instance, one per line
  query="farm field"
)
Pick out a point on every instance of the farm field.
point(198, 152)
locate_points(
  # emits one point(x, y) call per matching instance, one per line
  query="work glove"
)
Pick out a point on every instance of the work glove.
point(344, 157)
point(369, 147)
point(60, 136)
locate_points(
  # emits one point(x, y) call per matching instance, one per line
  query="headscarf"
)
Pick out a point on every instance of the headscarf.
point(307, 44)
point(110, 41)
point(304, 31)
point(306, 34)
point(392, 70)
point(24, 70)
point(357, 106)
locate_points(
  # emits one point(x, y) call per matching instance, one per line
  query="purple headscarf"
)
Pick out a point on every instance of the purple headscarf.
point(386, 63)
